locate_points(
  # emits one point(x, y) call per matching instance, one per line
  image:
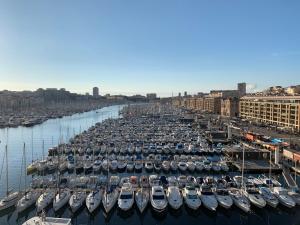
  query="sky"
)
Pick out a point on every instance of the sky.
point(140, 46)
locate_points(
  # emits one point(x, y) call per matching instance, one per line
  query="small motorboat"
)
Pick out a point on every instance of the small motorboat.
point(122, 166)
point(199, 166)
point(113, 166)
point(97, 166)
point(130, 166)
point(144, 182)
point(269, 197)
point(191, 198)
point(295, 196)
point(223, 198)
point(173, 166)
point(138, 167)
point(149, 166)
point(126, 197)
point(182, 166)
point(208, 198)
point(166, 166)
point(157, 167)
point(133, 180)
point(154, 180)
point(191, 166)
point(158, 199)
point(124, 180)
point(182, 181)
point(105, 165)
point(114, 181)
point(283, 197)
point(174, 197)
point(254, 197)
point(240, 200)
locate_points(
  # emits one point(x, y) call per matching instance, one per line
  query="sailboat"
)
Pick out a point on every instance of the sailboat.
point(11, 198)
point(142, 199)
point(62, 197)
point(29, 197)
point(142, 195)
point(111, 194)
point(239, 199)
point(93, 200)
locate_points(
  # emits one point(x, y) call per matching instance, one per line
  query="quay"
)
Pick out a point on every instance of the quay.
point(256, 167)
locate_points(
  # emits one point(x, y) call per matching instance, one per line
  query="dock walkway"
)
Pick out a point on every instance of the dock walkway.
point(288, 178)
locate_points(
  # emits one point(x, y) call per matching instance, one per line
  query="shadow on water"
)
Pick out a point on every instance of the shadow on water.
point(61, 211)
point(78, 211)
point(225, 212)
point(125, 214)
point(159, 216)
point(192, 212)
point(108, 216)
point(175, 213)
point(142, 216)
point(25, 214)
point(7, 212)
point(208, 213)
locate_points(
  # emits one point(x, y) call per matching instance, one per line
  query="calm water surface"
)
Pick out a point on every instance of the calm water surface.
point(51, 132)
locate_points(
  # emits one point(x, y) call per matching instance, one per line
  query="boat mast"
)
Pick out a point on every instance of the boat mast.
point(32, 145)
point(25, 175)
point(6, 158)
point(58, 172)
point(243, 166)
point(107, 175)
point(270, 169)
point(43, 149)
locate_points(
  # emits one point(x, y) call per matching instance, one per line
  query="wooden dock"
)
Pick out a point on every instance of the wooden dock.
point(256, 166)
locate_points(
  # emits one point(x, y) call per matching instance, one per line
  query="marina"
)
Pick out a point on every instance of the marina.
point(141, 162)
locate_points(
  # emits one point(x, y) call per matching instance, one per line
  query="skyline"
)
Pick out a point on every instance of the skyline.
point(141, 47)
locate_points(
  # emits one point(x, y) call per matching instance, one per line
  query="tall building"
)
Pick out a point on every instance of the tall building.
point(282, 111)
point(185, 94)
point(95, 91)
point(242, 88)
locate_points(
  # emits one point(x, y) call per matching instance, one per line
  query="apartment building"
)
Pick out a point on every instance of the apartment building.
point(282, 111)
point(230, 107)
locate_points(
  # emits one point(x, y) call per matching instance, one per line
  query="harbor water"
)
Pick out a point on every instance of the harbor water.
point(47, 134)
point(53, 131)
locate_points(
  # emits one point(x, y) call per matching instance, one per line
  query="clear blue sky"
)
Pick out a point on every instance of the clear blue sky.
point(139, 46)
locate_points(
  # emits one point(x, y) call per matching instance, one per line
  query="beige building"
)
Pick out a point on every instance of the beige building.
point(293, 90)
point(209, 104)
point(283, 111)
point(230, 107)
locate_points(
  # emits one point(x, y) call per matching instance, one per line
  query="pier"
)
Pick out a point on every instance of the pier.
point(288, 178)
point(257, 167)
